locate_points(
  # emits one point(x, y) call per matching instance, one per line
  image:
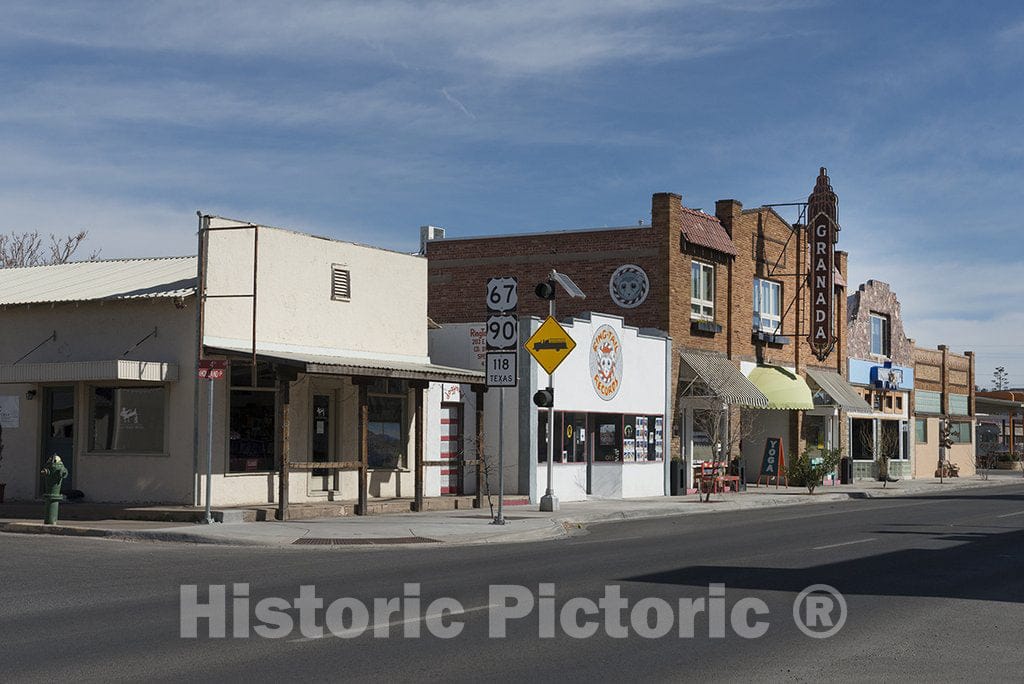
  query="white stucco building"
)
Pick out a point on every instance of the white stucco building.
point(329, 394)
point(611, 401)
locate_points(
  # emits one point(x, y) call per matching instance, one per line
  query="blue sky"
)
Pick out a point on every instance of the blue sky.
point(364, 121)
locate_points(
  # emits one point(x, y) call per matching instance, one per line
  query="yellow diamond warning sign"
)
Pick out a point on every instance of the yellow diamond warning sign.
point(550, 345)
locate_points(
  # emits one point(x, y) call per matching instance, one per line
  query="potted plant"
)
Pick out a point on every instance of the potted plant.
point(808, 469)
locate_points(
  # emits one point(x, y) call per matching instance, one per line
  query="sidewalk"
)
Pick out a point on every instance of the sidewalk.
point(524, 523)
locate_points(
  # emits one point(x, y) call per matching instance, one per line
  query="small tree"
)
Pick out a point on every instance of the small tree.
point(881, 450)
point(18, 250)
point(1000, 379)
point(808, 469)
point(726, 441)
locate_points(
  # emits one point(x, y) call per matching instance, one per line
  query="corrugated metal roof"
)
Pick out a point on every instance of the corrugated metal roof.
point(82, 281)
point(384, 368)
point(842, 393)
point(705, 230)
point(725, 379)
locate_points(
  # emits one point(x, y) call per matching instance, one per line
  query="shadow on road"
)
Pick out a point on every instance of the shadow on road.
point(985, 566)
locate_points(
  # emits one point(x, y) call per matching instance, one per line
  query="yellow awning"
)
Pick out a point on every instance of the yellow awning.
point(784, 389)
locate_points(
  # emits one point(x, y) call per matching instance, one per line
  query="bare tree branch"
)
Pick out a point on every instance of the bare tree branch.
point(18, 250)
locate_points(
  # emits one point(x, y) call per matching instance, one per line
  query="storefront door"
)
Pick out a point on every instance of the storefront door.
point(321, 441)
point(59, 427)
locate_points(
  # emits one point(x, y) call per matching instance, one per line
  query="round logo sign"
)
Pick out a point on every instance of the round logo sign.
point(629, 286)
point(606, 362)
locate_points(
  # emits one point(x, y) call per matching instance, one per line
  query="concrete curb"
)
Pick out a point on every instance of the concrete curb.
point(558, 527)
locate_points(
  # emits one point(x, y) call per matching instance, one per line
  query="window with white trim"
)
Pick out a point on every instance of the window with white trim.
point(879, 335)
point(702, 291)
point(767, 306)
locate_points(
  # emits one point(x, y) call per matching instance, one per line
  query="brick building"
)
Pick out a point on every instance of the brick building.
point(943, 388)
point(726, 288)
point(881, 360)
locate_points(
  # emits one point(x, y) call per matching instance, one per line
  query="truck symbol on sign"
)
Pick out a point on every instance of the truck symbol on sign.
point(556, 345)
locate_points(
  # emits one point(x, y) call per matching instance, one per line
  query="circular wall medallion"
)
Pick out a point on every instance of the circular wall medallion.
point(629, 286)
point(606, 362)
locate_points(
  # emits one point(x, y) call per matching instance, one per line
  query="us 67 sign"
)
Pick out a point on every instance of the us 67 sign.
point(502, 294)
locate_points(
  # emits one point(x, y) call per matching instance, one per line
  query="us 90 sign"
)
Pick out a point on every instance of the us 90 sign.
point(502, 332)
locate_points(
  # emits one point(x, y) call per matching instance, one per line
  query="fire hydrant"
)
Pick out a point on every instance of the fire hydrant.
point(53, 476)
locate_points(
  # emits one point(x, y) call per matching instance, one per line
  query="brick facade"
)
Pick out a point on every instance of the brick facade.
point(939, 370)
point(762, 243)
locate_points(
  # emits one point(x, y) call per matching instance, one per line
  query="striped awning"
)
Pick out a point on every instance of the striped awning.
point(724, 379)
point(842, 393)
point(83, 371)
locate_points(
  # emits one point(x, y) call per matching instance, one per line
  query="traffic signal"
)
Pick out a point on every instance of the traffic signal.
point(946, 434)
point(546, 290)
point(544, 398)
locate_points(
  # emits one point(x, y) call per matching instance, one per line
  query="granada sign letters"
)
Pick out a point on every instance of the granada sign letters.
point(821, 338)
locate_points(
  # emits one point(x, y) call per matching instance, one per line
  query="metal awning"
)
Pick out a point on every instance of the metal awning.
point(842, 393)
point(785, 390)
point(724, 379)
point(369, 367)
point(79, 371)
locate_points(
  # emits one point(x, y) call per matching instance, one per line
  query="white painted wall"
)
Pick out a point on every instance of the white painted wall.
point(95, 331)
point(386, 316)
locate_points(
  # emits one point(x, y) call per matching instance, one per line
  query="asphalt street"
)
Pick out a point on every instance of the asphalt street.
point(931, 584)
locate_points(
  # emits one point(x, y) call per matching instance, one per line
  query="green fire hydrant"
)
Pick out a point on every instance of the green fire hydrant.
point(53, 476)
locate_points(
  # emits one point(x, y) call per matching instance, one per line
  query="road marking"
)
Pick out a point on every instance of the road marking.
point(1010, 515)
point(833, 546)
point(395, 623)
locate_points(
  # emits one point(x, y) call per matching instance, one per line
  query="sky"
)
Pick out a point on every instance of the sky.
point(364, 121)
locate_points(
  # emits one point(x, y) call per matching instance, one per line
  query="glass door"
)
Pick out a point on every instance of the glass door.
point(59, 426)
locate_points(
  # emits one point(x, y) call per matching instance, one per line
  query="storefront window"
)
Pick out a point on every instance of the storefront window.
point(251, 437)
point(814, 433)
point(607, 437)
point(127, 419)
point(387, 434)
point(862, 439)
point(921, 430)
point(960, 432)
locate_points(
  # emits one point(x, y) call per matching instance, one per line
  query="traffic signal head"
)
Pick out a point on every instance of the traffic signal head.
point(546, 290)
point(544, 398)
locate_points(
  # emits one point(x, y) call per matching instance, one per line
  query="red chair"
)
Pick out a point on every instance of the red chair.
point(709, 477)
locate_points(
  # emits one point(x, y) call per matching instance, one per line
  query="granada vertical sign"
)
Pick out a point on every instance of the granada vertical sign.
point(822, 337)
point(823, 210)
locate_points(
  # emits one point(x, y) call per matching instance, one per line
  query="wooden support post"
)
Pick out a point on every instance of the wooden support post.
point(479, 391)
point(419, 446)
point(284, 405)
point(364, 448)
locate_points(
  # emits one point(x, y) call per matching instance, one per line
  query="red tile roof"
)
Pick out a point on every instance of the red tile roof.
point(705, 230)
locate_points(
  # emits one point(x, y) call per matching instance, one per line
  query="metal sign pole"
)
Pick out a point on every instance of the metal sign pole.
point(500, 520)
point(549, 502)
point(209, 455)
